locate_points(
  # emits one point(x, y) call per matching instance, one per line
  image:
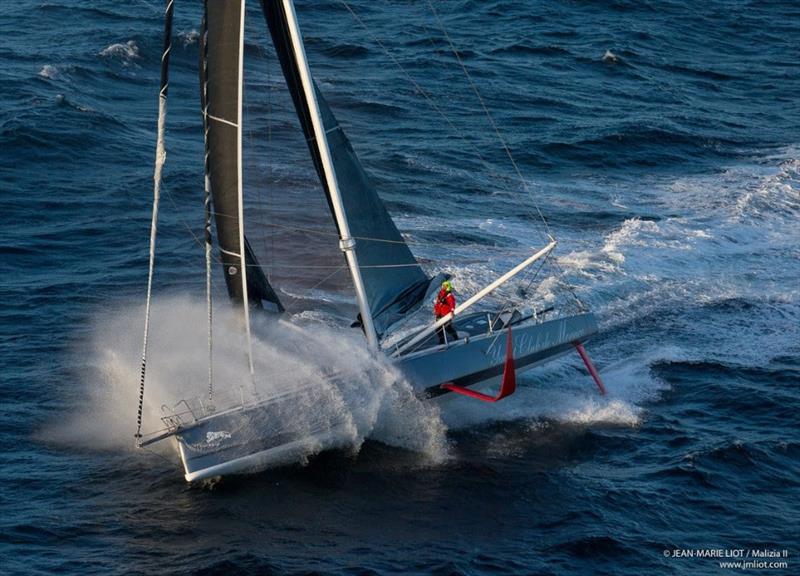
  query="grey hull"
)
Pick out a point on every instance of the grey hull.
point(241, 440)
point(248, 439)
point(479, 359)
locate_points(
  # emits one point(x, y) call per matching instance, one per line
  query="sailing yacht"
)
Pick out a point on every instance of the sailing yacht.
point(493, 346)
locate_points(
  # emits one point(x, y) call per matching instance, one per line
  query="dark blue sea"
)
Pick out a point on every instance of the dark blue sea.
point(660, 139)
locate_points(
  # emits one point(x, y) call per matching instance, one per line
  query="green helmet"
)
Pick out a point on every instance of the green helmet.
point(447, 286)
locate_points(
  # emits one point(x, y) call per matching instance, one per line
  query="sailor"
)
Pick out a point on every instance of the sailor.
point(445, 303)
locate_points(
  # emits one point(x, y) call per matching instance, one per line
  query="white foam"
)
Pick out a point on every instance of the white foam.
point(563, 392)
point(766, 191)
point(609, 56)
point(188, 37)
point(49, 71)
point(635, 269)
point(127, 52)
point(370, 396)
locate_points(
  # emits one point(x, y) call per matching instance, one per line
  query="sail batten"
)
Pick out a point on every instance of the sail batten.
point(393, 281)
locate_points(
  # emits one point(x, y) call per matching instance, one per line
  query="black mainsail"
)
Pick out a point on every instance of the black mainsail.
point(393, 280)
point(221, 73)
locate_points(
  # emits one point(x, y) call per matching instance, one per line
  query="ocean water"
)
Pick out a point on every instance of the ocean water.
point(660, 140)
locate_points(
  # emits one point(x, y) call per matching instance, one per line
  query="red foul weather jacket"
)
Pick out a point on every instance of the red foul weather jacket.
point(445, 303)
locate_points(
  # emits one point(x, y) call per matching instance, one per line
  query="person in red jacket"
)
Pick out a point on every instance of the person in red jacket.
point(445, 303)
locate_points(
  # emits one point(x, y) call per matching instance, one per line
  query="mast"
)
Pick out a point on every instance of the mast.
point(346, 242)
point(240, 193)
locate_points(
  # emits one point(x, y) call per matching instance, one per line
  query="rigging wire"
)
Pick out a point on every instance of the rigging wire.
point(488, 114)
point(262, 191)
point(269, 241)
point(503, 142)
point(161, 157)
point(422, 92)
point(207, 204)
point(405, 241)
point(196, 239)
point(508, 306)
point(340, 268)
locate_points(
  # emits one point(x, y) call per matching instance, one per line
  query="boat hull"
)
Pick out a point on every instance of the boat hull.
point(248, 439)
point(224, 464)
point(480, 359)
point(241, 440)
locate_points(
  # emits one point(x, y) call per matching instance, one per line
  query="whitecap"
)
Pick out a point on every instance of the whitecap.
point(610, 57)
point(49, 71)
point(188, 37)
point(127, 52)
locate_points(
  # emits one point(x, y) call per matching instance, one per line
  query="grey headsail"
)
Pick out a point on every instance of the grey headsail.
point(394, 282)
point(221, 86)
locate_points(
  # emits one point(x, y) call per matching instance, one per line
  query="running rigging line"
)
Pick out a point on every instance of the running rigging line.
point(455, 130)
point(556, 264)
point(417, 87)
point(488, 114)
point(420, 90)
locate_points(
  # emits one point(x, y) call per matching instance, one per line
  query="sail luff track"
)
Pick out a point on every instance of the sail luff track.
point(240, 192)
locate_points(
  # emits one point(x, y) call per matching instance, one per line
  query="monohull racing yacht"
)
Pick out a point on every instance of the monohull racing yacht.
point(492, 346)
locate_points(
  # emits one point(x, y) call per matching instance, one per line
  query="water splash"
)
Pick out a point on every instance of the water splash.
point(188, 37)
point(563, 392)
point(369, 395)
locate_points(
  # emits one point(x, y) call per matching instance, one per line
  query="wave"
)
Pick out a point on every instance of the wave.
point(527, 49)
point(49, 71)
point(343, 50)
point(700, 73)
point(562, 392)
point(373, 107)
point(89, 14)
point(593, 547)
point(33, 129)
point(188, 37)
point(777, 193)
point(236, 564)
point(688, 369)
point(610, 58)
point(126, 52)
point(639, 145)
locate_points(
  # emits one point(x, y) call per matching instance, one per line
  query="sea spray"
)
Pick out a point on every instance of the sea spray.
point(332, 378)
point(335, 383)
point(564, 393)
